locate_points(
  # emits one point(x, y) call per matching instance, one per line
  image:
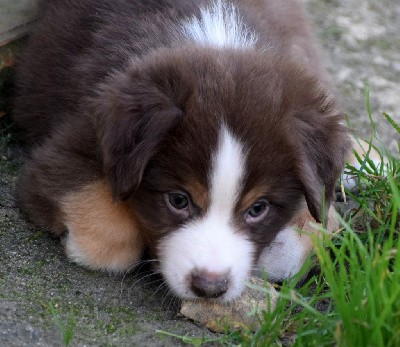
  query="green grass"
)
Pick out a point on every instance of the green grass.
point(65, 325)
point(354, 299)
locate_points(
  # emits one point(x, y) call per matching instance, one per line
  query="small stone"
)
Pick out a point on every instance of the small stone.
point(242, 313)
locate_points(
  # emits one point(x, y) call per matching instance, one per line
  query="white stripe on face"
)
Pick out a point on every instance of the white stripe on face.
point(212, 244)
point(227, 173)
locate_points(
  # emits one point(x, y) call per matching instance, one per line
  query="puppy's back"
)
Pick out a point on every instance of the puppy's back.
point(74, 45)
point(46, 85)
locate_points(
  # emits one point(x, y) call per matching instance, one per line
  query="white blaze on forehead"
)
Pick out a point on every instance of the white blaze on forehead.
point(226, 176)
point(219, 25)
point(212, 243)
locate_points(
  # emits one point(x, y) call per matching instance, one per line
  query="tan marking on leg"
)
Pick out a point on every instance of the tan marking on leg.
point(307, 226)
point(361, 147)
point(303, 220)
point(102, 234)
point(285, 256)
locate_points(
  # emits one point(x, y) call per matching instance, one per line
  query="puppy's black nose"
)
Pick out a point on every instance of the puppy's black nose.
point(209, 284)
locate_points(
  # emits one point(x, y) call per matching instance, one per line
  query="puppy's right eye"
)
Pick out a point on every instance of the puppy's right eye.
point(178, 202)
point(257, 211)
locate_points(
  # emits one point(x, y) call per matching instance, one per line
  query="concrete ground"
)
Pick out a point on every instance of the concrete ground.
point(43, 296)
point(360, 40)
point(16, 17)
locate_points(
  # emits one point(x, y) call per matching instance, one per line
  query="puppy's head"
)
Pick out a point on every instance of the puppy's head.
point(217, 150)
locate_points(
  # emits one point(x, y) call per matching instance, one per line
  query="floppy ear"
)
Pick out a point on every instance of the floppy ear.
point(323, 143)
point(132, 113)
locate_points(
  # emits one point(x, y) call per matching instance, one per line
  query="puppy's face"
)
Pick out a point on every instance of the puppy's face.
point(217, 151)
point(211, 202)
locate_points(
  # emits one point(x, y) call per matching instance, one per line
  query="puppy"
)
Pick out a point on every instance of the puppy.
point(203, 131)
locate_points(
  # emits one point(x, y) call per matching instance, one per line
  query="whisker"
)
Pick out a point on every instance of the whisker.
point(139, 265)
point(143, 278)
point(168, 293)
point(144, 262)
point(174, 301)
point(161, 286)
point(136, 266)
point(141, 286)
point(148, 283)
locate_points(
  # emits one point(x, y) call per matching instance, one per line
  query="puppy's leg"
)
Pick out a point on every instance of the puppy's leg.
point(285, 256)
point(362, 148)
point(102, 234)
point(62, 190)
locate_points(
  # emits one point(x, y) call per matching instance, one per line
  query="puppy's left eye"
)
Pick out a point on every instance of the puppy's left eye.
point(178, 202)
point(257, 212)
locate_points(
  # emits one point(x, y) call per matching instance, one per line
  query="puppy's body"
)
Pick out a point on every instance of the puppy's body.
point(201, 130)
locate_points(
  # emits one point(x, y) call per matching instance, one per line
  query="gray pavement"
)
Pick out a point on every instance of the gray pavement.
point(42, 293)
point(16, 17)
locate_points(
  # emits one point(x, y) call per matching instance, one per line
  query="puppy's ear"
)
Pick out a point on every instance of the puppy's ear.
point(132, 113)
point(322, 144)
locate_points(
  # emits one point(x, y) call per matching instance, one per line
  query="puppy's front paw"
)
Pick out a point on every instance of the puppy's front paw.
point(102, 234)
point(363, 150)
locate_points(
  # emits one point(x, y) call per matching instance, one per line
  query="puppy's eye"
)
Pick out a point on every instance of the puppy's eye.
point(178, 202)
point(257, 212)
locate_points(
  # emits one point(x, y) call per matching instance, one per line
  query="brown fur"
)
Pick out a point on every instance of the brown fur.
point(108, 93)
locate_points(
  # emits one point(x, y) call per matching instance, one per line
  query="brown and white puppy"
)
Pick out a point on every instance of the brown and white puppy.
point(201, 130)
